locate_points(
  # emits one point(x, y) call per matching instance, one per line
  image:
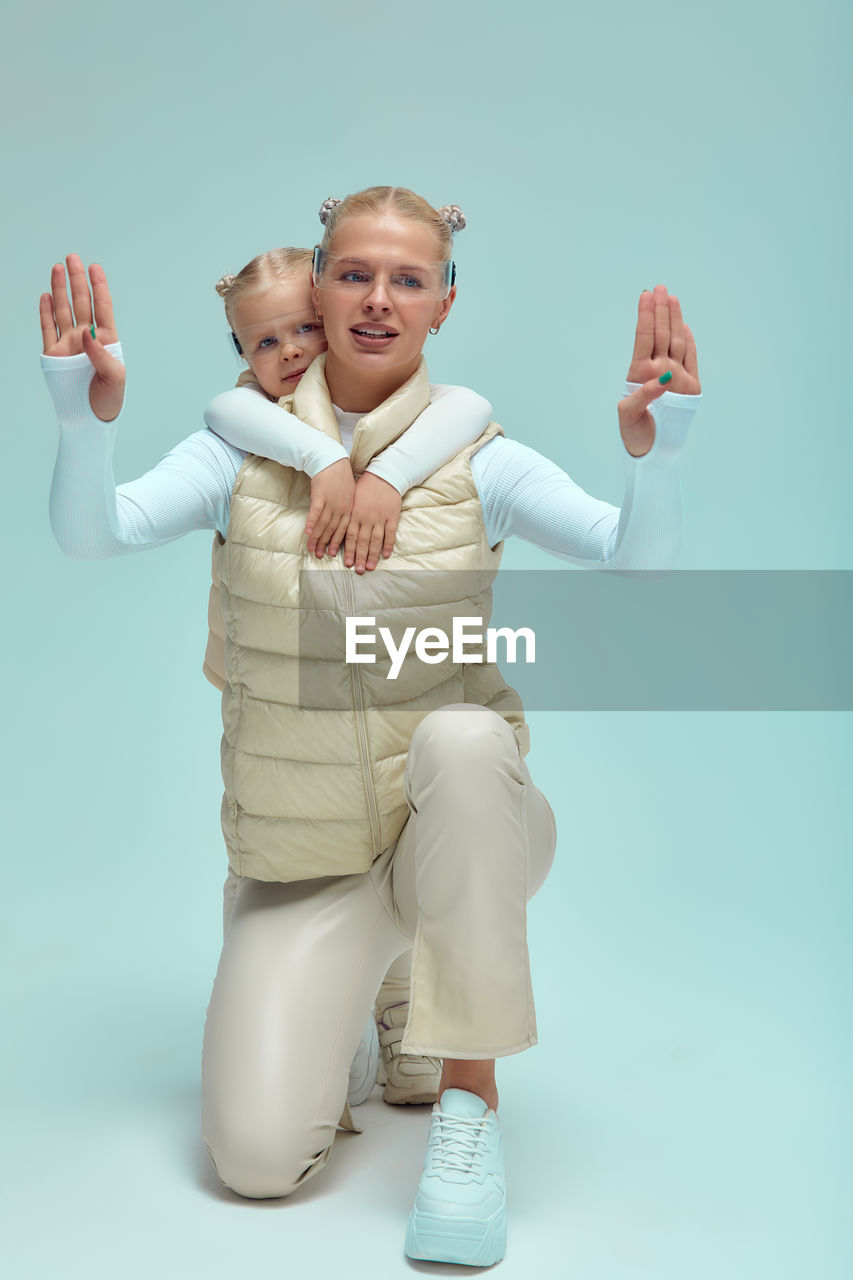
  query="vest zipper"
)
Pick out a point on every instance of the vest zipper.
point(358, 697)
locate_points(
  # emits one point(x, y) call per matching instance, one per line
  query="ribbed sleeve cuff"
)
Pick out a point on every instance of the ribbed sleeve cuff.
point(68, 379)
point(672, 414)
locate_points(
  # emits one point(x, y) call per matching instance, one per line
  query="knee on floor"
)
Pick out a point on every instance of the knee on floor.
point(263, 1171)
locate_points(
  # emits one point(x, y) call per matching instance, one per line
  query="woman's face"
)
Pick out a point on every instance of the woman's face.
point(376, 325)
point(279, 332)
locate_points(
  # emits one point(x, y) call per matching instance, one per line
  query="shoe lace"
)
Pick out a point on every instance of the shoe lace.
point(455, 1141)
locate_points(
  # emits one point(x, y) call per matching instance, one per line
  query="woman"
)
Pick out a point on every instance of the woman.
point(347, 873)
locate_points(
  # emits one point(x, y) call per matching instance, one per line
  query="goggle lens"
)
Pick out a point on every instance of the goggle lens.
point(404, 281)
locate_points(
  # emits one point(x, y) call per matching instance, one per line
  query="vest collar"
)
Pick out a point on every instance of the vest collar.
point(376, 430)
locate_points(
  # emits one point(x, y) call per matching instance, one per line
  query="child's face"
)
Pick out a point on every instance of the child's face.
point(279, 332)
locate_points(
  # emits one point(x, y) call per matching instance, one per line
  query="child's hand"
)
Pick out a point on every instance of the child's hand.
point(663, 344)
point(68, 334)
point(332, 495)
point(373, 523)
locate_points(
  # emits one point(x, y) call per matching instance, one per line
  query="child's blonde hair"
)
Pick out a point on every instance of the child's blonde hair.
point(442, 222)
point(277, 264)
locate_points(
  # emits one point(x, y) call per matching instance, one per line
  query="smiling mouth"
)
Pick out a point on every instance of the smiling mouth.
point(291, 377)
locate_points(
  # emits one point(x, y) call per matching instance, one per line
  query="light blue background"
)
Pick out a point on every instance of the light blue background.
point(687, 1111)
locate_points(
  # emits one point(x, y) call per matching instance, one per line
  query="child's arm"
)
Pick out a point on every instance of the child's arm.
point(245, 417)
point(455, 417)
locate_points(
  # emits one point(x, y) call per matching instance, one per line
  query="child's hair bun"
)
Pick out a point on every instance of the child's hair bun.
point(223, 284)
point(326, 208)
point(453, 216)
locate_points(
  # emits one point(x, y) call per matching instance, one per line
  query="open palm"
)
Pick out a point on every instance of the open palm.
point(65, 330)
point(663, 343)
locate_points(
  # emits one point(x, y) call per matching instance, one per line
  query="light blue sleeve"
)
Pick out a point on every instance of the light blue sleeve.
point(526, 495)
point(456, 416)
point(247, 419)
point(92, 518)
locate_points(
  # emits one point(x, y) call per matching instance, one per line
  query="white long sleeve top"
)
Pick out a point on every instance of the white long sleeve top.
point(249, 420)
point(522, 493)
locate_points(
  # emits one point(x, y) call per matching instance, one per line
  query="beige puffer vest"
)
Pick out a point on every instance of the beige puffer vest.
point(314, 749)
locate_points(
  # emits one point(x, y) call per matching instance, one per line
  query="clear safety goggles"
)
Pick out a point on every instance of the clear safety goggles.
point(295, 328)
point(404, 281)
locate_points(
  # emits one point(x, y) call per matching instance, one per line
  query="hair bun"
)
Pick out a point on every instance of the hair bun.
point(326, 208)
point(223, 284)
point(453, 216)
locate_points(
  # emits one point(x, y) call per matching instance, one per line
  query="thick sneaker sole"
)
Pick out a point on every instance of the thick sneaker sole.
point(412, 1096)
point(467, 1242)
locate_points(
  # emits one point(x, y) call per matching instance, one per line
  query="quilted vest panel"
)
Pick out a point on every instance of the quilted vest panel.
point(314, 749)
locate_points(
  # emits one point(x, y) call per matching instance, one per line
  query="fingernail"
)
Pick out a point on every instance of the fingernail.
point(92, 330)
point(666, 377)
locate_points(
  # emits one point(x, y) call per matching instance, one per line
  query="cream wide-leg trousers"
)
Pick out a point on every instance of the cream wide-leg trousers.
point(302, 962)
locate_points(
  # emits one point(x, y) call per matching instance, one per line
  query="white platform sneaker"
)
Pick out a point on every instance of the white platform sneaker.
point(459, 1213)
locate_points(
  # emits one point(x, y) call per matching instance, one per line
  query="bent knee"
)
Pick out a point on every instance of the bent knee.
point(461, 727)
point(263, 1170)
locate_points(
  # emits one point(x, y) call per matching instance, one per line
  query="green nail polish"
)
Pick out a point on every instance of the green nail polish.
point(92, 330)
point(666, 377)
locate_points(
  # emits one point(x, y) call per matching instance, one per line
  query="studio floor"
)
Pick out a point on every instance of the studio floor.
point(686, 1114)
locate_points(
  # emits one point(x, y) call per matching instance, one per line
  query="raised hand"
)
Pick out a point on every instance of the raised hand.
point(663, 344)
point(66, 332)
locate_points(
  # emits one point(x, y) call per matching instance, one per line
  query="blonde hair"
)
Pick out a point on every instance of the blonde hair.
point(442, 222)
point(277, 264)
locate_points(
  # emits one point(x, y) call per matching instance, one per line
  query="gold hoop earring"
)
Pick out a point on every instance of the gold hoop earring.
point(436, 329)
